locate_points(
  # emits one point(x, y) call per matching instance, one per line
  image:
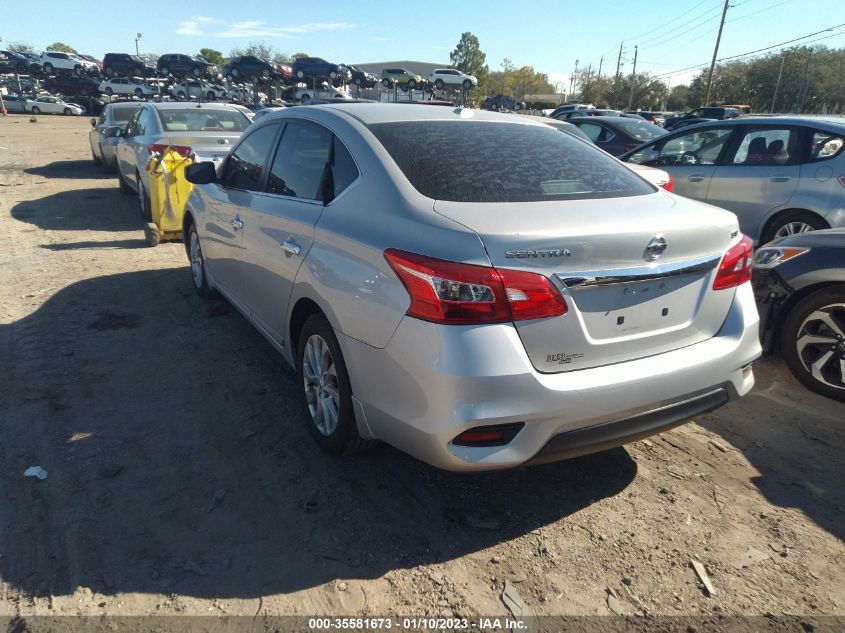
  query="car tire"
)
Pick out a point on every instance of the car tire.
point(412, 84)
point(139, 93)
point(36, 110)
point(125, 189)
point(109, 91)
point(386, 83)
point(305, 98)
point(108, 71)
point(48, 68)
point(438, 83)
point(180, 96)
point(235, 73)
point(818, 365)
point(195, 257)
point(196, 72)
point(467, 84)
point(300, 74)
point(332, 75)
point(67, 112)
point(265, 73)
point(792, 223)
point(164, 71)
point(358, 82)
point(494, 106)
point(211, 96)
point(325, 389)
point(144, 206)
point(78, 71)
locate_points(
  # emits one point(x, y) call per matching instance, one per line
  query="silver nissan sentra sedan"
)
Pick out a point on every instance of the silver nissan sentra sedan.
point(476, 289)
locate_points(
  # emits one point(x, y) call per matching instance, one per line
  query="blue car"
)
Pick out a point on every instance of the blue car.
point(317, 68)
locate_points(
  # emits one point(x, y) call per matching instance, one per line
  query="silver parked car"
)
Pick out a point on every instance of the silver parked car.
point(105, 133)
point(206, 130)
point(474, 307)
point(780, 175)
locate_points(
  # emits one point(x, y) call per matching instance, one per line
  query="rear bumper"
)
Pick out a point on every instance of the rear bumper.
point(433, 382)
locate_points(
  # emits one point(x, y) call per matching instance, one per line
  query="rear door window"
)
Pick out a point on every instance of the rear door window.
point(826, 145)
point(300, 161)
point(767, 146)
point(245, 165)
point(486, 161)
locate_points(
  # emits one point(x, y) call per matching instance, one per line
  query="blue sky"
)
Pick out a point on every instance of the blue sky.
point(671, 35)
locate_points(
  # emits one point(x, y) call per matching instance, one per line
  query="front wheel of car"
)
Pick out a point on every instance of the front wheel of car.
point(48, 68)
point(792, 223)
point(109, 91)
point(144, 206)
point(412, 84)
point(438, 83)
point(68, 112)
point(198, 275)
point(211, 96)
point(386, 83)
point(36, 110)
point(813, 342)
point(467, 84)
point(139, 93)
point(305, 98)
point(325, 388)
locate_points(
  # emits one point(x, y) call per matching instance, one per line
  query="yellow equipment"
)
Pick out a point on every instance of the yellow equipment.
point(169, 191)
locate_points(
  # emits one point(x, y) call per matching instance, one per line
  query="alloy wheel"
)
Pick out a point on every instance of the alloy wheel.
point(321, 386)
point(793, 228)
point(820, 345)
point(197, 271)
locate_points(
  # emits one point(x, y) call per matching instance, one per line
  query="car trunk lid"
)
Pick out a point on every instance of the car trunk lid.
point(636, 272)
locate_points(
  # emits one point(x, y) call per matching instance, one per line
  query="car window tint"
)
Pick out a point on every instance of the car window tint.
point(592, 130)
point(119, 114)
point(693, 148)
point(641, 130)
point(486, 161)
point(826, 145)
point(344, 170)
point(766, 146)
point(300, 161)
point(243, 167)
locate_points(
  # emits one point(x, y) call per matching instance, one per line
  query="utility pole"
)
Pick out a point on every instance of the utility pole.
point(715, 52)
point(601, 61)
point(618, 66)
point(777, 85)
point(805, 82)
point(633, 77)
point(573, 78)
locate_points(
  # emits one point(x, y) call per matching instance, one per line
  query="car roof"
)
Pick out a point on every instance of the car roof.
point(374, 113)
point(825, 121)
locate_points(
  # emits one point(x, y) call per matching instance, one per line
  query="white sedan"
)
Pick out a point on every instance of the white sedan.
point(126, 86)
point(194, 89)
point(52, 105)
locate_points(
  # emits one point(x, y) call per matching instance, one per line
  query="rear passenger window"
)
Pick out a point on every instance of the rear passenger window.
point(344, 170)
point(592, 130)
point(694, 148)
point(825, 145)
point(243, 169)
point(767, 146)
point(300, 161)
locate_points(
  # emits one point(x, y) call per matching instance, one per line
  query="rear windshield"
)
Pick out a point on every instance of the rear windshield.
point(203, 120)
point(122, 113)
point(640, 130)
point(483, 161)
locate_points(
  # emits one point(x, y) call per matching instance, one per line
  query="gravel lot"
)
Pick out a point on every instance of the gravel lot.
point(181, 478)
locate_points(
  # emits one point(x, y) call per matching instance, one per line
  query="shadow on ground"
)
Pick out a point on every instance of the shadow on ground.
point(799, 450)
point(70, 169)
point(179, 461)
point(97, 209)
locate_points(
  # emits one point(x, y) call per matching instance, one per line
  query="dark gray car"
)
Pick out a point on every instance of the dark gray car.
point(780, 175)
point(104, 134)
point(617, 135)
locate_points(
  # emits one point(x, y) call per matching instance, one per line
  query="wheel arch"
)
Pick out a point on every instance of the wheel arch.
point(780, 213)
point(302, 309)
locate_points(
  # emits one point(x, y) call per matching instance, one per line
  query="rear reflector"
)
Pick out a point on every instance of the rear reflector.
point(466, 294)
point(735, 268)
point(497, 435)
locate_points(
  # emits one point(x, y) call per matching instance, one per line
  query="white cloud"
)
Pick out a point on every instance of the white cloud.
point(253, 28)
point(194, 25)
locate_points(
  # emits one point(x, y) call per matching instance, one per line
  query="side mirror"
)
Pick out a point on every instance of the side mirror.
point(93, 122)
point(201, 173)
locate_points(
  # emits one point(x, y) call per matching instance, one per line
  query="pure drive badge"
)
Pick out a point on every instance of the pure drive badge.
point(539, 252)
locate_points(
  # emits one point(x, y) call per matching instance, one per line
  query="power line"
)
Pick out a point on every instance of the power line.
point(684, 33)
point(680, 29)
point(760, 50)
point(748, 15)
point(665, 24)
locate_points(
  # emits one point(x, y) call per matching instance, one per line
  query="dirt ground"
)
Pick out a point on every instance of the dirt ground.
point(182, 480)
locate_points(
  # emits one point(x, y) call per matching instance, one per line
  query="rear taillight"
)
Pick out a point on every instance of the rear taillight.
point(669, 185)
point(842, 180)
point(454, 293)
point(160, 148)
point(735, 268)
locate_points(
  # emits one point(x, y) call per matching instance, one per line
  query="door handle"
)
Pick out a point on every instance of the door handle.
point(696, 177)
point(238, 224)
point(780, 178)
point(290, 246)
